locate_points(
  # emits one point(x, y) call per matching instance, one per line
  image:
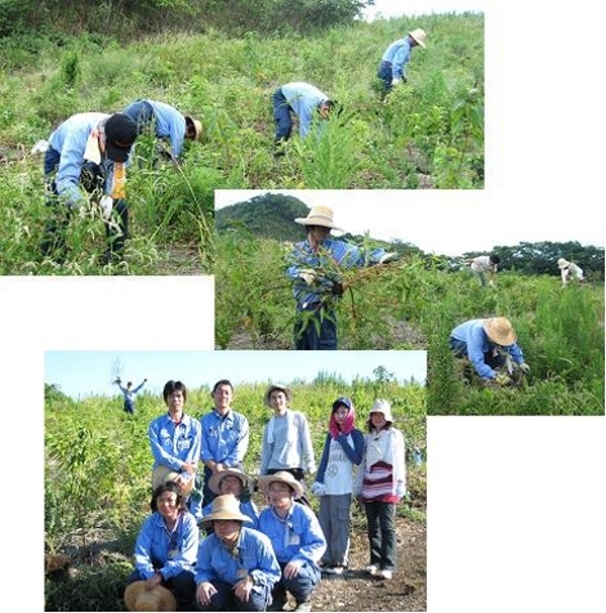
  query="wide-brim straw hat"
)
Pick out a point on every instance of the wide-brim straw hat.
point(214, 482)
point(318, 216)
point(277, 386)
point(382, 406)
point(226, 506)
point(281, 477)
point(137, 598)
point(562, 263)
point(163, 474)
point(197, 127)
point(419, 36)
point(500, 331)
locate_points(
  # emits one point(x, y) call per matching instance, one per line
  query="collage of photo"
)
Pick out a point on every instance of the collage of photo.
point(310, 303)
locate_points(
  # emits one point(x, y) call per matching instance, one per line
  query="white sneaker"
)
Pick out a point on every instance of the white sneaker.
point(385, 574)
point(371, 569)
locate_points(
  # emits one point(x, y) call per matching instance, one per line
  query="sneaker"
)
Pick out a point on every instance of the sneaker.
point(277, 605)
point(303, 606)
point(385, 574)
point(333, 570)
point(371, 569)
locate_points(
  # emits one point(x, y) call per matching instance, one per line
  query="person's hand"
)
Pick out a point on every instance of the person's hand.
point(308, 275)
point(524, 368)
point(189, 467)
point(389, 257)
point(144, 380)
point(153, 581)
point(107, 204)
point(491, 283)
point(395, 82)
point(242, 588)
point(318, 489)
point(502, 380)
point(292, 569)
point(204, 592)
point(400, 489)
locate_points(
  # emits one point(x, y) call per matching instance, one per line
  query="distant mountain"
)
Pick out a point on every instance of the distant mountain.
point(269, 216)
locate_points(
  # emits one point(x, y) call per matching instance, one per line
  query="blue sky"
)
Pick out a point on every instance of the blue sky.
point(84, 373)
point(397, 8)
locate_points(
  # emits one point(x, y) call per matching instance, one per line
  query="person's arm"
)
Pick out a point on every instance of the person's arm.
point(323, 460)
point(139, 386)
point(359, 476)
point(143, 559)
point(475, 353)
point(401, 57)
point(399, 462)
point(353, 453)
point(313, 542)
point(238, 453)
point(306, 446)
point(515, 351)
point(268, 571)
point(68, 173)
point(266, 451)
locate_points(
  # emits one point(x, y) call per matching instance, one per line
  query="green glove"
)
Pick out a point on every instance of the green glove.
point(501, 379)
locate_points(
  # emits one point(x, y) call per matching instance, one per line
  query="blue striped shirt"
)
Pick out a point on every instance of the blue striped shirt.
point(331, 255)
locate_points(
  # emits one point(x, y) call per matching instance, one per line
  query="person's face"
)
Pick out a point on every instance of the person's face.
point(279, 496)
point(340, 414)
point(231, 485)
point(167, 506)
point(316, 234)
point(378, 420)
point(175, 401)
point(223, 396)
point(324, 111)
point(277, 401)
point(227, 530)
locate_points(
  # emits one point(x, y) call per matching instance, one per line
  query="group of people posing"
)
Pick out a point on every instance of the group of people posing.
point(207, 546)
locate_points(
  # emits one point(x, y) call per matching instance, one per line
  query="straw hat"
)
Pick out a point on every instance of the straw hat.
point(162, 474)
point(281, 477)
point(226, 506)
point(197, 126)
point(215, 481)
point(500, 331)
point(382, 406)
point(277, 386)
point(318, 216)
point(137, 598)
point(419, 36)
point(562, 263)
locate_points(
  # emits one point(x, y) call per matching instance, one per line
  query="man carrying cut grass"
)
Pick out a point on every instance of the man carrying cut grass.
point(315, 266)
point(303, 100)
point(487, 343)
point(88, 152)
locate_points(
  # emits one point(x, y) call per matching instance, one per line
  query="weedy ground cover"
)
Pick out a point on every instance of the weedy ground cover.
point(414, 304)
point(98, 473)
point(429, 133)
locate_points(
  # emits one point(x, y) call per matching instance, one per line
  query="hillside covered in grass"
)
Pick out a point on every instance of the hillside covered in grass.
point(426, 134)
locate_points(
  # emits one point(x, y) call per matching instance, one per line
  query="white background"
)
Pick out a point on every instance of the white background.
point(516, 505)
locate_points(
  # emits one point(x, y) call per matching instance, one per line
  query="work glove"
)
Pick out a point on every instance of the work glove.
point(107, 204)
point(503, 380)
point(395, 82)
point(318, 489)
point(389, 257)
point(308, 275)
point(491, 283)
point(400, 489)
point(524, 368)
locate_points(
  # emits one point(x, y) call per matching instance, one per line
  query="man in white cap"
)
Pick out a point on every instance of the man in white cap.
point(487, 342)
point(165, 122)
point(88, 152)
point(236, 568)
point(297, 539)
point(570, 272)
point(316, 266)
point(392, 67)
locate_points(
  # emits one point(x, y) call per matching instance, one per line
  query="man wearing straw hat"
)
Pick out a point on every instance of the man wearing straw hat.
point(297, 538)
point(570, 272)
point(488, 343)
point(315, 266)
point(236, 567)
point(233, 481)
point(391, 69)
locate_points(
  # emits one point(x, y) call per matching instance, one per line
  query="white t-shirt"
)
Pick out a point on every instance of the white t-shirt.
point(482, 264)
point(338, 477)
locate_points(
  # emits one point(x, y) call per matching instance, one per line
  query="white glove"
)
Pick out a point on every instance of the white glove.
point(308, 275)
point(524, 368)
point(389, 257)
point(400, 489)
point(395, 82)
point(107, 204)
point(318, 489)
point(491, 283)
